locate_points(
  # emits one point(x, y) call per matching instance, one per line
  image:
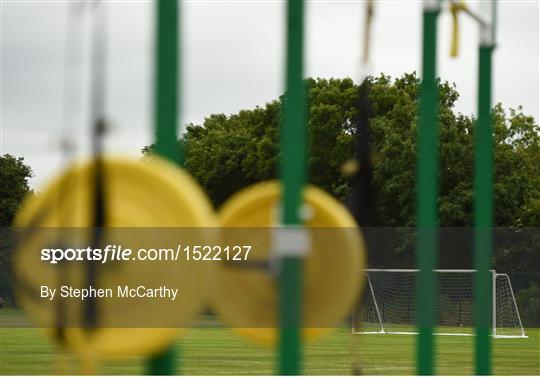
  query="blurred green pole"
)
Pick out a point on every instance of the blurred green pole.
point(164, 363)
point(427, 192)
point(483, 198)
point(166, 91)
point(166, 112)
point(293, 176)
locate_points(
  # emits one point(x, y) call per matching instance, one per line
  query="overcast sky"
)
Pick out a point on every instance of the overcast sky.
point(233, 59)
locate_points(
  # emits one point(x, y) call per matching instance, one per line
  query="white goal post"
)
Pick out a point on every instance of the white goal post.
point(389, 303)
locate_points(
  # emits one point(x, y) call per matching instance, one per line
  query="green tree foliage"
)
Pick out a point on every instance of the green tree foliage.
point(226, 153)
point(14, 175)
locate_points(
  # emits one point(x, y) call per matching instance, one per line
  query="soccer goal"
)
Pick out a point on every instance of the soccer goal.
point(389, 304)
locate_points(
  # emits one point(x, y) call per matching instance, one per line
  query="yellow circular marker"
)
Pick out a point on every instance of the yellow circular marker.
point(145, 204)
point(245, 294)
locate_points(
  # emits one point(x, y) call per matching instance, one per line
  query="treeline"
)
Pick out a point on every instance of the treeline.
point(228, 152)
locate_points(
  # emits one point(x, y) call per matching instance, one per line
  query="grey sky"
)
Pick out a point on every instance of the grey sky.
point(233, 59)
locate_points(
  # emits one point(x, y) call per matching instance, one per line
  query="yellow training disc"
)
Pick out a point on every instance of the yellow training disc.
point(245, 294)
point(142, 199)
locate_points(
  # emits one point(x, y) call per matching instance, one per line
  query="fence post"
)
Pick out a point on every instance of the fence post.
point(166, 66)
point(293, 176)
point(427, 191)
point(483, 192)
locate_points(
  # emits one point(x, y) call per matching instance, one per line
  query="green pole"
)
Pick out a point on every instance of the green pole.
point(163, 363)
point(426, 192)
point(166, 113)
point(293, 177)
point(483, 203)
point(166, 91)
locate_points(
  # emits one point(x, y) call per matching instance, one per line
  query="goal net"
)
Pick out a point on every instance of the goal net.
point(389, 304)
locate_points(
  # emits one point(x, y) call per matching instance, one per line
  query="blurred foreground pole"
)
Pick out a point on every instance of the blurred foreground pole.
point(166, 66)
point(166, 91)
point(293, 176)
point(427, 192)
point(483, 194)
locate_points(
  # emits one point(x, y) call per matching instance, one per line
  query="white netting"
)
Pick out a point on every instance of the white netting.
point(508, 323)
point(389, 303)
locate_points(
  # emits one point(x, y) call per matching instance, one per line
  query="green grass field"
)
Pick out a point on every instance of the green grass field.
point(218, 351)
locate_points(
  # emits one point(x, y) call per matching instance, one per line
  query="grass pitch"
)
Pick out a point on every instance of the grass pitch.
point(219, 351)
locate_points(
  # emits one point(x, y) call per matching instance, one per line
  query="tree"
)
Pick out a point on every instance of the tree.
point(14, 175)
point(226, 153)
